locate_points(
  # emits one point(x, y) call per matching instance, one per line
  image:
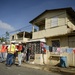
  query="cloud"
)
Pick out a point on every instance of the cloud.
point(6, 26)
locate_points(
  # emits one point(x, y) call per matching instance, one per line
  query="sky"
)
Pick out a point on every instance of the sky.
point(16, 14)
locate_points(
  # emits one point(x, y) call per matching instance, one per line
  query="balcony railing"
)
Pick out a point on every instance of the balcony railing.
point(51, 32)
point(21, 39)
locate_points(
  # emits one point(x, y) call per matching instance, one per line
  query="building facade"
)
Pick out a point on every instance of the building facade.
point(21, 37)
point(57, 26)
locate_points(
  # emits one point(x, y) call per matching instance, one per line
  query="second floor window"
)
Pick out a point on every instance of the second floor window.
point(12, 37)
point(54, 21)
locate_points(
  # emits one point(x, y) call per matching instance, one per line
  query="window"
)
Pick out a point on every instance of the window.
point(12, 37)
point(55, 43)
point(54, 21)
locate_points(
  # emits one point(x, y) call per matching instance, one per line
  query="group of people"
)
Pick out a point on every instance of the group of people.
point(9, 53)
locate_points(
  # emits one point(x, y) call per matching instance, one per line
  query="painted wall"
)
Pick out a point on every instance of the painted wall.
point(49, 31)
point(23, 39)
point(61, 18)
point(70, 22)
point(62, 39)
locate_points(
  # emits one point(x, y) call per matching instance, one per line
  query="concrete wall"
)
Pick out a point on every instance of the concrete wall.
point(57, 31)
point(61, 29)
point(55, 59)
point(42, 58)
point(71, 59)
point(70, 22)
point(23, 39)
point(62, 39)
point(61, 18)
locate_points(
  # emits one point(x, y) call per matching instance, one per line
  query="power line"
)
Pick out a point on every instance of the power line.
point(31, 25)
point(21, 28)
point(25, 27)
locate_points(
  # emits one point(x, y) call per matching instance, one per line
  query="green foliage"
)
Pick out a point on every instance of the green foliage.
point(2, 39)
point(7, 37)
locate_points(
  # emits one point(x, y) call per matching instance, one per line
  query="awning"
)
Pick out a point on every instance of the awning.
point(34, 40)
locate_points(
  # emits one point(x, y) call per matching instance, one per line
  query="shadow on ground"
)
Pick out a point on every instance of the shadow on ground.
point(65, 73)
point(61, 72)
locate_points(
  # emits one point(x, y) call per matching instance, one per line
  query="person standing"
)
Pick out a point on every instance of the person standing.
point(23, 53)
point(28, 54)
point(3, 52)
point(10, 56)
point(20, 47)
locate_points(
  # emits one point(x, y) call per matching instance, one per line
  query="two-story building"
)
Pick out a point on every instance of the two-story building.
point(57, 26)
point(21, 37)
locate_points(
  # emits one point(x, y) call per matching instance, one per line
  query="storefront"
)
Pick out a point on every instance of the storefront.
point(38, 50)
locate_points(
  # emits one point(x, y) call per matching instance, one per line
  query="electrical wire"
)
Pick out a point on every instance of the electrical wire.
point(20, 29)
point(30, 25)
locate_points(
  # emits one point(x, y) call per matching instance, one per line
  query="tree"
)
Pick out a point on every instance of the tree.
point(7, 36)
point(2, 39)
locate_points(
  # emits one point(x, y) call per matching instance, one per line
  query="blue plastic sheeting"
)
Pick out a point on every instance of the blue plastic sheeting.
point(63, 61)
point(47, 47)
